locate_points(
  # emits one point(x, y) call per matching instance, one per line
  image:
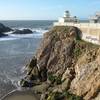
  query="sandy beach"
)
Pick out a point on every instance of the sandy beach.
point(21, 95)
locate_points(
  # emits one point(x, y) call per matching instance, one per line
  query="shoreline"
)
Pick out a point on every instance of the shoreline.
point(24, 93)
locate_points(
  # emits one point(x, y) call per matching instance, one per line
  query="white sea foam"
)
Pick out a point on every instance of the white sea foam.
point(39, 30)
point(9, 32)
point(7, 38)
point(37, 33)
point(21, 35)
point(33, 35)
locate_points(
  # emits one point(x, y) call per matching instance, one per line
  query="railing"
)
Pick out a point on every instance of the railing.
point(79, 25)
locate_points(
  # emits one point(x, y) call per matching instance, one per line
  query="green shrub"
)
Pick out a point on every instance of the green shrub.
point(54, 79)
point(58, 80)
point(77, 52)
point(55, 96)
point(70, 96)
point(63, 96)
point(51, 78)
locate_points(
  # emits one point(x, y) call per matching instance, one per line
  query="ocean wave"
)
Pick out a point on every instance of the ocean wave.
point(37, 33)
point(37, 30)
point(33, 35)
point(7, 38)
point(11, 79)
point(20, 35)
point(9, 32)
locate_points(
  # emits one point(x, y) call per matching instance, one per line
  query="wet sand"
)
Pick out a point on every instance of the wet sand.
point(21, 95)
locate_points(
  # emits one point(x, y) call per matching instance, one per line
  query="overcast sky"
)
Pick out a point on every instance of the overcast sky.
point(46, 9)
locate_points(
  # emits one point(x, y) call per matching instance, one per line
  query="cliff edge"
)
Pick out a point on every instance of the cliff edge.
point(65, 67)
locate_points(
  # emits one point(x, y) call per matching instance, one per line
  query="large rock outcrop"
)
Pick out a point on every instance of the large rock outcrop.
point(4, 29)
point(23, 31)
point(70, 66)
point(55, 52)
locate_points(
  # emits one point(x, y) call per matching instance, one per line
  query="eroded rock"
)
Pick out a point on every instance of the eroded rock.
point(87, 79)
point(68, 64)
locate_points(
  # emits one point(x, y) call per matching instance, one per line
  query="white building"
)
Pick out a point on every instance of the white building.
point(95, 18)
point(90, 31)
point(67, 18)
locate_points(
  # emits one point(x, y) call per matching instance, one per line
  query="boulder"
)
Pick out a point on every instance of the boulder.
point(24, 31)
point(41, 88)
point(25, 83)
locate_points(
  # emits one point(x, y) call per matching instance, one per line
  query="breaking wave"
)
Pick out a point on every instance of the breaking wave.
point(37, 33)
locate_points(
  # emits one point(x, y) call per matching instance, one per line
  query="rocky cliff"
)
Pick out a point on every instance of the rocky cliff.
point(65, 67)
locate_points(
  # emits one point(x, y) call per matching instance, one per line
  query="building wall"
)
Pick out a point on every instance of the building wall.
point(90, 31)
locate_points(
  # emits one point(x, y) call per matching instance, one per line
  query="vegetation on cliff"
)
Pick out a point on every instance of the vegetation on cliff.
point(66, 67)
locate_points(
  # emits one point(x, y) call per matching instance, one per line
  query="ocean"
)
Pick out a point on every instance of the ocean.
point(17, 50)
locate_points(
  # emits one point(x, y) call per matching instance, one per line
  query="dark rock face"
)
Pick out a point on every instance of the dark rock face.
point(2, 35)
point(4, 29)
point(24, 31)
point(68, 64)
point(34, 74)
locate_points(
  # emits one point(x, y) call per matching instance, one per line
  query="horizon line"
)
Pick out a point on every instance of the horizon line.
point(36, 19)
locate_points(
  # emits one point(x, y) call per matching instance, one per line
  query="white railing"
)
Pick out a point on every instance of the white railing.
point(79, 25)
